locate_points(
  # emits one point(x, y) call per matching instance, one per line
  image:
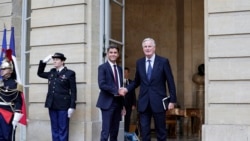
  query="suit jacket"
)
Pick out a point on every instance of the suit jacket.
point(130, 99)
point(154, 90)
point(61, 87)
point(108, 90)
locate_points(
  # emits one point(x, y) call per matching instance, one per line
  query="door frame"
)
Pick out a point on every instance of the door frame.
point(105, 30)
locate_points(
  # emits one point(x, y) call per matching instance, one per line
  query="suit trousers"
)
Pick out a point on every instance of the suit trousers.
point(127, 118)
point(159, 122)
point(110, 122)
point(59, 125)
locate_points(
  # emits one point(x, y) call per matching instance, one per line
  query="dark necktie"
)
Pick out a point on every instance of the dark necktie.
point(57, 73)
point(116, 77)
point(149, 71)
point(127, 82)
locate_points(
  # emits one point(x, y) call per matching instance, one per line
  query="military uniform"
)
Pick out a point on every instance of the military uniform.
point(10, 102)
point(61, 88)
point(61, 97)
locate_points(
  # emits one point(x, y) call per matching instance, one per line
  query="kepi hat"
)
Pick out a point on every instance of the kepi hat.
point(59, 55)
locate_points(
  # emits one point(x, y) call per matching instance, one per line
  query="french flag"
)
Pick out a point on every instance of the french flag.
point(23, 120)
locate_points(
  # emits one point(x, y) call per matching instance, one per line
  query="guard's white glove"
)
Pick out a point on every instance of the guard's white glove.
point(46, 59)
point(70, 112)
point(17, 117)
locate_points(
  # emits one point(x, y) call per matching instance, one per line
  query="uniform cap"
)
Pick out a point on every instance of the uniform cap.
point(59, 55)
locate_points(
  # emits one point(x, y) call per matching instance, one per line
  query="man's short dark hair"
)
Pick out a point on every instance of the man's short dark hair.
point(126, 68)
point(113, 47)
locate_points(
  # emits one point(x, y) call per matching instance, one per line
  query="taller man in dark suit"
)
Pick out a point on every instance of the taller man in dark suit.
point(61, 96)
point(109, 101)
point(152, 73)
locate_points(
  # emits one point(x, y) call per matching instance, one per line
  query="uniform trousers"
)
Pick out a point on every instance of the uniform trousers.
point(6, 130)
point(59, 125)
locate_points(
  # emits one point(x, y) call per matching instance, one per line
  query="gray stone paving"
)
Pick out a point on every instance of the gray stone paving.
point(180, 139)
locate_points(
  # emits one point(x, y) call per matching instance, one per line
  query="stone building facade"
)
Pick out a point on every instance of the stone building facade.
point(227, 76)
point(188, 32)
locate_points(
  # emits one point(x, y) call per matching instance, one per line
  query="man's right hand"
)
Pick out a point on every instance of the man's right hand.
point(123, 91)
point(47, 59)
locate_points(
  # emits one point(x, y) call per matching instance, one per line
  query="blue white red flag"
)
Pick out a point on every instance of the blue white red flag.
point(12, 41)
point(23, 120)
point(4, 46)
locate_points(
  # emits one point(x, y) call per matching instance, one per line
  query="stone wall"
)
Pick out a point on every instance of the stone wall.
point(227, 79)
point(70, 27)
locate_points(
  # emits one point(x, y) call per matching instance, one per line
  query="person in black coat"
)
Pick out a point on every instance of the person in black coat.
point(130, 100)
point(62, 95)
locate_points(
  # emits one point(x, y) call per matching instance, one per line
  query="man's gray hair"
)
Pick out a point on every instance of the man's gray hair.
point(149, 39)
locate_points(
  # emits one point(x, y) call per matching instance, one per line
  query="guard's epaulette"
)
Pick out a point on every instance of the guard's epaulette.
point(19, 87)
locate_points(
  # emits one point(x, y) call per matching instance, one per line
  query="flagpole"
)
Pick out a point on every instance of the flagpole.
point(4, 47)
point(12, 41)
point(23, 129)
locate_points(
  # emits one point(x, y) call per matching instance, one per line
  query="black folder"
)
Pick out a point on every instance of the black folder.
point(165, 102)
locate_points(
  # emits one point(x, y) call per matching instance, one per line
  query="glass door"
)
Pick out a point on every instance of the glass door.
point(113, 27)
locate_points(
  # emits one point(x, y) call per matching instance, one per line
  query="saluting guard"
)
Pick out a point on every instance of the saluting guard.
point(61, 96)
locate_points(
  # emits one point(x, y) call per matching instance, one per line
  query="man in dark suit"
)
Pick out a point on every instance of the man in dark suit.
point(109, 101)
point(130, 100)
point(152, 73)
point(61, 96)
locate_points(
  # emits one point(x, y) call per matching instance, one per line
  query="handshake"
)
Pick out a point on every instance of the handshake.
point(122, 91)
